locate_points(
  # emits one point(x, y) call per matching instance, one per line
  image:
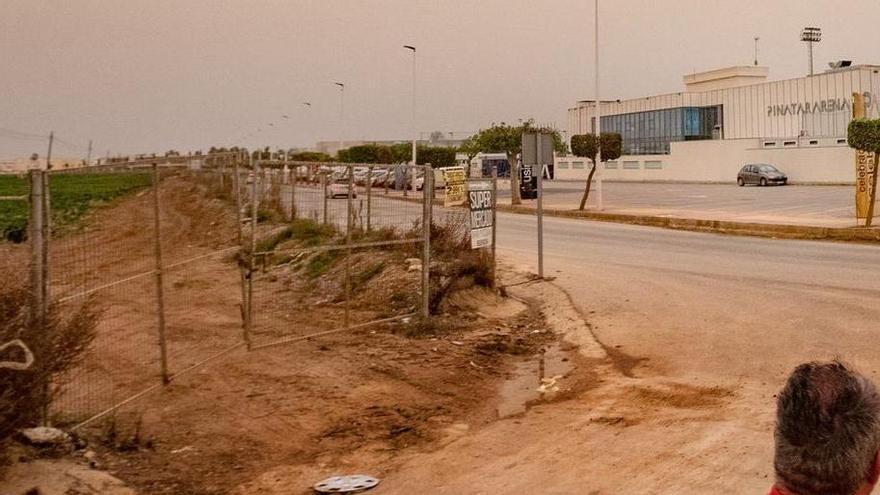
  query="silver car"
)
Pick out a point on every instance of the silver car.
point(762, 174)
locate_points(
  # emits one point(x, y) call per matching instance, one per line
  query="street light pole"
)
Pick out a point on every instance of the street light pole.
point(341, 111)
point(413, 128)
point(598, 116)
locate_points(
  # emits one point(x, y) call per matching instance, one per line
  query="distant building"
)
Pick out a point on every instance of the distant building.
point(21, 165)
point(727, 117)
point(333, 147)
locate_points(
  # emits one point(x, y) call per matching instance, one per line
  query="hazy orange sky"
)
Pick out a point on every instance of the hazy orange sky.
point(150, 75)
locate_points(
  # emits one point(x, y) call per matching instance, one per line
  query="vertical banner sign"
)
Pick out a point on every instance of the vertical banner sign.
point(455, 180)
point(480, 203)
point(864, 165)
point(864, 173)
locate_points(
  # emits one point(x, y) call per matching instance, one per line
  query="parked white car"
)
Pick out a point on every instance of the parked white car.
point(339, 188)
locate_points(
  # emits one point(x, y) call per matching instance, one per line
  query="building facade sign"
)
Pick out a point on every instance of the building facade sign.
point(823, 106)
point(820, 106)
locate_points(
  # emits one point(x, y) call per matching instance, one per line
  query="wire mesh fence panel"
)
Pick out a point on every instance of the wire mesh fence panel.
point(153, 251)
point(186, 260)
point(347, 257)
point(201, 273)
point(100, 256)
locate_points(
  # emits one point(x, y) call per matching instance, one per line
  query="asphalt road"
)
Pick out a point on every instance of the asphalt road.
point(710, 307)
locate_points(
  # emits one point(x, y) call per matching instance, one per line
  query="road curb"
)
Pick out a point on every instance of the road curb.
point(845, 234)
point(780, 231)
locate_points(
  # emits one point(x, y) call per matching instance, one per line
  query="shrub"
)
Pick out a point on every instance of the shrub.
point(58, 345)
point(459, 266)
point(310, 232)
point(320, 263)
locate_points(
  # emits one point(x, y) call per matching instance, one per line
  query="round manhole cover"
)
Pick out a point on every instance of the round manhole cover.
point(346, 484)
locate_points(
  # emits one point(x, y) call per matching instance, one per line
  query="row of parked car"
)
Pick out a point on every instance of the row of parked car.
point(380, 178)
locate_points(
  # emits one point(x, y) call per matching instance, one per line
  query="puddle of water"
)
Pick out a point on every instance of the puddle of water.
point(533, 380)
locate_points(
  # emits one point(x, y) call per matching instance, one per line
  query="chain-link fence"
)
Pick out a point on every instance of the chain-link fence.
point(189, 258)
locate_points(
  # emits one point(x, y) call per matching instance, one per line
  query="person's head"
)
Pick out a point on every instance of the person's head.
point(827, 431)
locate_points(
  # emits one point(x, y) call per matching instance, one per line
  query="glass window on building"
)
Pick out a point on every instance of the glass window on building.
point(631, 165)
point(611, 165)
point(651, 132)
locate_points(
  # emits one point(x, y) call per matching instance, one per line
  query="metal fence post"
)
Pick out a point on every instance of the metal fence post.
point(160, 290)
point(406, 180)
point(369, 195)
point(236, 183)
point(293, 176)
point(38, 286)
point(427, 188)
point(494, 222)
point(252, 261)
point(324, 188)
point(46, 226)
point(38, 224)
point(349, 208)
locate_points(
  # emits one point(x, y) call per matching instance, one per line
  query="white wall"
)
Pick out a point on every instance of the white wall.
point(719, 161)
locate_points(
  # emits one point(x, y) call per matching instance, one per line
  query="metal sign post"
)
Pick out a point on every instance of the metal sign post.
point(494, 223)
point(540, 216)
point(537, 153)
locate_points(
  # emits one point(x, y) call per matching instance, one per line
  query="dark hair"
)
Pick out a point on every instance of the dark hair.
point(827, 430)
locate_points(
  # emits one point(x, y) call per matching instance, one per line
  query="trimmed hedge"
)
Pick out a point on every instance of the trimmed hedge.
point(864, 135)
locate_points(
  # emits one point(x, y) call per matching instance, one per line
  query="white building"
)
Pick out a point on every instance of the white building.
point(728, 117)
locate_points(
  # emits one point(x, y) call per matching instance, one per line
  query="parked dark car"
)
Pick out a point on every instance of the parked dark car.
point(762, 174)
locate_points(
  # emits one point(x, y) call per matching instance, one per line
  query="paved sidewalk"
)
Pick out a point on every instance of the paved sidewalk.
point(819, 206)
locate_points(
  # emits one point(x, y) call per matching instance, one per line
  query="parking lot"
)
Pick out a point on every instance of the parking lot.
point(830, 206)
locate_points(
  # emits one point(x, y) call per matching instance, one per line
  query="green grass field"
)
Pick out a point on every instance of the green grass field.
point(72, 195)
